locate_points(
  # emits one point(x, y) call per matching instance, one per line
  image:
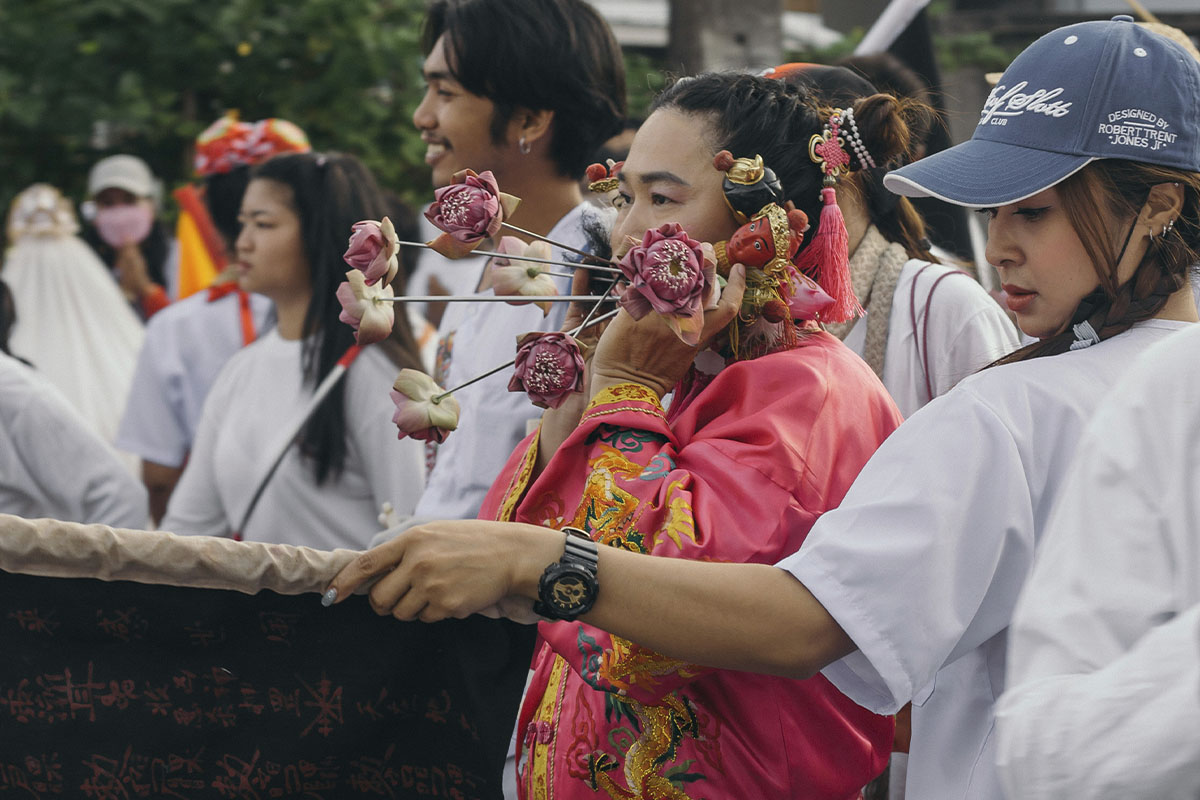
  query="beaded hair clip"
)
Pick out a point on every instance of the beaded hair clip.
point(827, 259)
point(828, 148)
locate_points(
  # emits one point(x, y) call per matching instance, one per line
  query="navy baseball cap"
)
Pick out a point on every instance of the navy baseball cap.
point(1080, 93)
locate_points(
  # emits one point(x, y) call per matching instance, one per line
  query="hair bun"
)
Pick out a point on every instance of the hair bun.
point(882, 126)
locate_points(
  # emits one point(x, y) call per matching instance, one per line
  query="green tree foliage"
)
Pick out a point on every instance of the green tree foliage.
point(81, 79)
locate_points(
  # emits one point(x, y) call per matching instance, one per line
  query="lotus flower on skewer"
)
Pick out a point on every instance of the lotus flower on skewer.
point(549, 368)
point(469, 210)
point(512, 276)
point(673, 274)
point(418, 414)
point(374, 249)
point(368, 309)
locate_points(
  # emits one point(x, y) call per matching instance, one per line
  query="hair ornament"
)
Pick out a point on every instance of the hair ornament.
point(767, 242)
point(827, 150)
point(827, 259)
point(602, 178)
point(749, 185)
point(855, 140)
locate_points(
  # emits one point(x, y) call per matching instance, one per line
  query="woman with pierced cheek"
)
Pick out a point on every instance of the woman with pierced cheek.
point(735, 466)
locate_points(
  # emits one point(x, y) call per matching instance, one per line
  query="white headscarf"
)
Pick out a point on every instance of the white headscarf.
point(73, 323)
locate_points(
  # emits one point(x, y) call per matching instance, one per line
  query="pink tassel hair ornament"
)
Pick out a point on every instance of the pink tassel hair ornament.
point(827, 259)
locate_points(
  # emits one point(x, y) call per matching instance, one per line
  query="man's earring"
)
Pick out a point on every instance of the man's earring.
point(523, 146)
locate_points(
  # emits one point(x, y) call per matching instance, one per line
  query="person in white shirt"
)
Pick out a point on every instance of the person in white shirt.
point(51, 465)
point(928, 324)
point(1103, 697)
point(498, 100)
point(334, 481)
point(905, 591)
point(189, 341)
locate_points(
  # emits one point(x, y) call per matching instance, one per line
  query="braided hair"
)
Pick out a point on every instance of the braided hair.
point(1114, 189)
point(751, 115)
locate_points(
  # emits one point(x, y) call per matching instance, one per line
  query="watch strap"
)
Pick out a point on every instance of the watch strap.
point(580, 549)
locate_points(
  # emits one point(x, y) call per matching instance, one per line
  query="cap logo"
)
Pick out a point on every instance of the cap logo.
point(1136, 127)
point(1004, 103)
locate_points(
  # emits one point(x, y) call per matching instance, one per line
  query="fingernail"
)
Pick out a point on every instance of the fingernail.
point(328, 598)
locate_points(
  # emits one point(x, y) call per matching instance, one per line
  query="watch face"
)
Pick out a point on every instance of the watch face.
point(571, 592)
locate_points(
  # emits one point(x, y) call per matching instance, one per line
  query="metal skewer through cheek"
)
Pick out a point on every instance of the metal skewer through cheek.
point(498, 298)
point(509, 256)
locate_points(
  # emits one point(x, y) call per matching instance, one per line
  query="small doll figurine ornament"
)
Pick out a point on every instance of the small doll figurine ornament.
point(749, 185)
point(603, 181)
point(777, 291)
point(602, 178)
point(469, 210)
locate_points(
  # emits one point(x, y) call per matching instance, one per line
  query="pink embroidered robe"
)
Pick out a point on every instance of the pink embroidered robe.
point(738, 471)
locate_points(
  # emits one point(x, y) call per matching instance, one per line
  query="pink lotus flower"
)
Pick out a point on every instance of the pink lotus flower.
point(373, 249)
point(469, 210)
point(366, 308)
point(673, 274)
point(417, 415)
point(515, 277)
point(549, 367)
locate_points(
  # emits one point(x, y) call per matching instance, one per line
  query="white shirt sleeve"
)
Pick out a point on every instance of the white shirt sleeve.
point(923, 559)
point(56, 467)
point(196, 507)
point(153, 426)
point(1104, 659)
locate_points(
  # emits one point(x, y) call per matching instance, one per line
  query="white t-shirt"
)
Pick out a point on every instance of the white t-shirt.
point(966, 330)
point(257, 398)
point(1104, 663)
point(186, 345)
point(52, 465)
point(477, 337)
point(922, 562)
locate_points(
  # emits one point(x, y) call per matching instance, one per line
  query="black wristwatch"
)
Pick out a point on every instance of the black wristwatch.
point(568, 587)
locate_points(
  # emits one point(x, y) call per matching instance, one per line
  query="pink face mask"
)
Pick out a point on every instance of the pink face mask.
point(124, 224)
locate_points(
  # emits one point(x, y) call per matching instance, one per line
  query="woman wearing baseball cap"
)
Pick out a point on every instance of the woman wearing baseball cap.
point(122, 229)
point(1087, 162)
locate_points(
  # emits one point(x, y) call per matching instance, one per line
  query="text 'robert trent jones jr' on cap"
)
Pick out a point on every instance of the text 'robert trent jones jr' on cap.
point(1080, 93)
